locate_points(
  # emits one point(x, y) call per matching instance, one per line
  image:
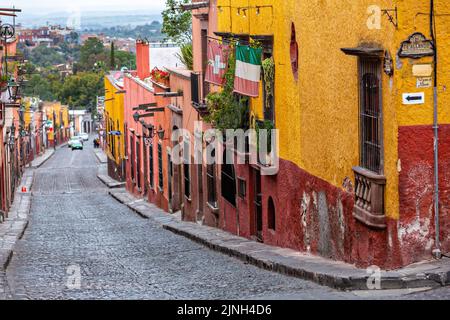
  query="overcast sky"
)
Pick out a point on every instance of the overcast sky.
point(46, 6)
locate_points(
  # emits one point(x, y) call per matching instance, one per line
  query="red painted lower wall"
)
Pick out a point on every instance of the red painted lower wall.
point(416, 191)
point(311, 216)
point(316, 217)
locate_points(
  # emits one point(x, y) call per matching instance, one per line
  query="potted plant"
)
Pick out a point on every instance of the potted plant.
point(268, 126)
point(160, 76)
point(4, 79)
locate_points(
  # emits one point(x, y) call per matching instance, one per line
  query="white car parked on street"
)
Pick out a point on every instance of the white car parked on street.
point(85, 136)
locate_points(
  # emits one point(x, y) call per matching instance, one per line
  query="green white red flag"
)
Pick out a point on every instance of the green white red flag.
point(248, 71)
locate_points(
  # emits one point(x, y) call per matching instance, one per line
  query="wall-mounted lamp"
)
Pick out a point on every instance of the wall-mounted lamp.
point(152, 132)
point(161, 133)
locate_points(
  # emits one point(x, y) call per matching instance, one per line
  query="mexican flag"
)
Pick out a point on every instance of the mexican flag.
point(248, 71)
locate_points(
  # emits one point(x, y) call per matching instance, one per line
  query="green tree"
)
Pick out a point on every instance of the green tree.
point(125, 59)
point(80, 91)
point(92, 52)
point(186, 56)
point(74, 37)
point(39, 86)
point(43, 56)
point(113, 58)
point(177, 24)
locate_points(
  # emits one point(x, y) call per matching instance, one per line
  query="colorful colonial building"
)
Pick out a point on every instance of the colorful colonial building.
point(12, 157)
point(354, 104)
point(358, 100)
point(114, 125)
point(58, 126)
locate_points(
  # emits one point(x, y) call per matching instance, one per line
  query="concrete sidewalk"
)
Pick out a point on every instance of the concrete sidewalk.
point(334, 274)
point(13, 228)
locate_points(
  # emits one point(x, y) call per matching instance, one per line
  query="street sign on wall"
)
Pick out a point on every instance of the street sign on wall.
point(414, 98)
point(424, 82)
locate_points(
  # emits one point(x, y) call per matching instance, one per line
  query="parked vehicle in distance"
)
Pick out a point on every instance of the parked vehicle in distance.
point(77, 145)
point(74, 139)
point(85, 136)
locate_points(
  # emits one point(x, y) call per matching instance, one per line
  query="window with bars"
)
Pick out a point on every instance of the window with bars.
point(151, 167)
point(125, 138)
point(271, 223)
point(211, 182)
point(112, 139)
point(138, 163)
point(228, 181)
point(160, 167)
point(370, 115)
point(186, 167)
point(132, 157)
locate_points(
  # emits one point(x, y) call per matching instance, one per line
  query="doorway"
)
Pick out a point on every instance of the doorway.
point(170, 175)
point(257, 207)
point(138, 164)
point(175, 176)
point(200, 193)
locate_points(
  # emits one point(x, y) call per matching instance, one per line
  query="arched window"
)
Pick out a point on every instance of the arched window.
point(370, 116)
point(211, 181)
point(186, 166)
point(271, 215)
point(228, 181)
point(294, 52)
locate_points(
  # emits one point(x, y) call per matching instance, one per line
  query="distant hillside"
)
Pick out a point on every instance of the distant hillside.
point(91, 20)
point(152, 31)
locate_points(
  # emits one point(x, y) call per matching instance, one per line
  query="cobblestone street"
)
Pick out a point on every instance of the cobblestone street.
point(75, 223)
point(76, 226)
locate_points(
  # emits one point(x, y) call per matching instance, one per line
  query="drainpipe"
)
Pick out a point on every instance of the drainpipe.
point(437, 250)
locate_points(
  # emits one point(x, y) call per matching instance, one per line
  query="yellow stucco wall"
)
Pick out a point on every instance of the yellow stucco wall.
point(114, 111)
point(61, 113)
point(27, 115)
point(318, 115)
point(50, 109)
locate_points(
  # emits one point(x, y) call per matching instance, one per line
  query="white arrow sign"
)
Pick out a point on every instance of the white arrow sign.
point(414, 98)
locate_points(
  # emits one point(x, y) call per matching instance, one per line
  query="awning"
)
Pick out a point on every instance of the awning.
point(364, 51)
point(194, 5)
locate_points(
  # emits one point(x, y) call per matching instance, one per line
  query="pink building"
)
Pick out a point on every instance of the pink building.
point(146, 142)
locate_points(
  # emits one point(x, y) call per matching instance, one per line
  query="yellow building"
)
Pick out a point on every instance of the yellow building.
point(58, 115)
point(354, 106)
point(114, 125)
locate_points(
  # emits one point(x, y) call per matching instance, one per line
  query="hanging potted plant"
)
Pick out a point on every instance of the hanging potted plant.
point(268, 66)
point(268, 126)
point(227, 110)
point(3, 81)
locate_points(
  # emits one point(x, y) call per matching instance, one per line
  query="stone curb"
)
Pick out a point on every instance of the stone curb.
point(109, 182)
point(330, 273)
point(51, 151)
point(99, 158)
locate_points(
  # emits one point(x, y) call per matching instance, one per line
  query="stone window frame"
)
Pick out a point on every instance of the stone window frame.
point(369, 207)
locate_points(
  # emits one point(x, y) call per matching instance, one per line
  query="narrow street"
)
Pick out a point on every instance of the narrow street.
point(74, 222)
